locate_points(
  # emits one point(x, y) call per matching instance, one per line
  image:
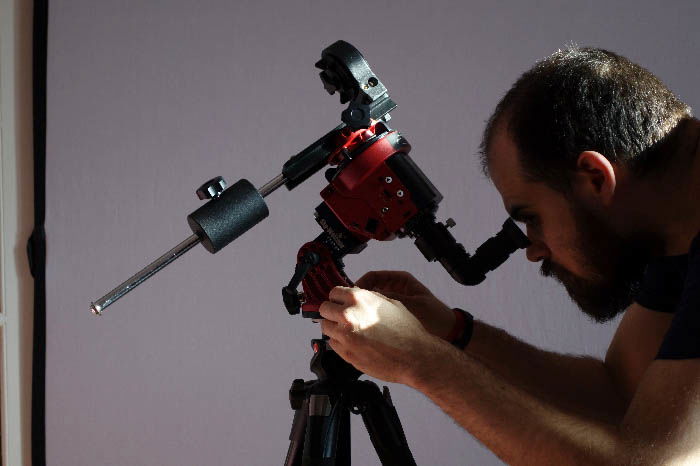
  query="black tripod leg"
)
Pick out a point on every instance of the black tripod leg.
point(383, 425)
point(327, 441)
point(296, 436)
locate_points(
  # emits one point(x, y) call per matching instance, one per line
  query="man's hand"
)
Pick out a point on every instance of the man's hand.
point(376, 334)
point(435, 315)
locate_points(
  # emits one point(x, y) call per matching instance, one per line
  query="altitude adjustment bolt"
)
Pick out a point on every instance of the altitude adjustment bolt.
point(450, 223)
point(212, 188)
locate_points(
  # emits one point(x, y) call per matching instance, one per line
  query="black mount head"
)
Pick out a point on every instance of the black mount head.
point(345, 70)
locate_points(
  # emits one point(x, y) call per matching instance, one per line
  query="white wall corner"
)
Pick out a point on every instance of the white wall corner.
point(16, 222)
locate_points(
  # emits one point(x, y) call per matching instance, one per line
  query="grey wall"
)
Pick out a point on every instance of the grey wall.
point(149, 99)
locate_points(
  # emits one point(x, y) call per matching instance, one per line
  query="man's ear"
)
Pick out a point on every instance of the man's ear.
point(595, 178)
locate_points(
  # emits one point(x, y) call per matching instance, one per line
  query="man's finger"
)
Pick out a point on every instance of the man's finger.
point(391, 294)
point(341, 295)
point(337, 346)
point(332, 311)
point(368, 280)
point(376, 278)
point(330, 328)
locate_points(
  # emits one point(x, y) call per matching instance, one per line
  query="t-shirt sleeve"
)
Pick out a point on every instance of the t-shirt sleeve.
point(662, 284)
point(682, 341)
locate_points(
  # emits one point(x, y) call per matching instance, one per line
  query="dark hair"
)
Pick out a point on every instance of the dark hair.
point(582, 99)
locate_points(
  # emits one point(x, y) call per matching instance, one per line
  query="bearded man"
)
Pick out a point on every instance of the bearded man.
point(601, 162)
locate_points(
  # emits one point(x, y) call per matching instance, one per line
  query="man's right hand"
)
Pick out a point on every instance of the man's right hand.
point(436, 316)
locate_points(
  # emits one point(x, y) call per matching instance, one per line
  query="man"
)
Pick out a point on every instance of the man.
point(602, 164)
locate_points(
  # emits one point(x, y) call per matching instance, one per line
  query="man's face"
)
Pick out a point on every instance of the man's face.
point(599, 269)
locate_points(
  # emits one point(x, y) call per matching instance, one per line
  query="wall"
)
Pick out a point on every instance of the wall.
point(149, 99)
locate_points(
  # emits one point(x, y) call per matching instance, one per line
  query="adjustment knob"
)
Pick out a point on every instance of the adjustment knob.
point(330, 174)
point(297, 394)
point(292, 300)
point(212, 188)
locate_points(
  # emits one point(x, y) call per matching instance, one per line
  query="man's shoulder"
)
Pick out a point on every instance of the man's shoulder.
point(662, 284)
point(682, 341)
point(690, 296)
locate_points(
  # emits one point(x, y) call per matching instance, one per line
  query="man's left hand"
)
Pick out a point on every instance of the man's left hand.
point(377, 335)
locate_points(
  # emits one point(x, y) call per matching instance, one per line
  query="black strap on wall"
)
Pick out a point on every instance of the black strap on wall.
point(36, 246)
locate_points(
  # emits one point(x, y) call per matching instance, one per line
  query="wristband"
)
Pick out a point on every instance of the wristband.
point(462, 330)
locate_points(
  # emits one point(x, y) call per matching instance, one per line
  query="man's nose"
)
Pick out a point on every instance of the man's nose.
point(537, 251)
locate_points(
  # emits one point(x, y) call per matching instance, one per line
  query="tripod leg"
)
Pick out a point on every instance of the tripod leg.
point(327, 441)
point(296, 436)
point(299, 400)
point(383, 425)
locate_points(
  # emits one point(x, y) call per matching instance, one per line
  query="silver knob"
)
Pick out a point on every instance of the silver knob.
point(212, 188)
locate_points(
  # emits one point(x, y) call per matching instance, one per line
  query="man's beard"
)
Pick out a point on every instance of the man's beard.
point(615, 267)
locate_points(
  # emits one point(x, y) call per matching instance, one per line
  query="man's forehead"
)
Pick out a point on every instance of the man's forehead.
point(517, 190)
point(504, 168)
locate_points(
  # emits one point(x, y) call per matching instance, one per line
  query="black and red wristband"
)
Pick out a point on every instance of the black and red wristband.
point(462, 329)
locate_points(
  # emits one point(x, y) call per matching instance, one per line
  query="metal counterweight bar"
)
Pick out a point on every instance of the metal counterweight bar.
point(272, 185)
point(151, 269)
point(98, 306)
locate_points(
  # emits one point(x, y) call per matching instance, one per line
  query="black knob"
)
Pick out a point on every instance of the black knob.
point(212, 188)
point(297, 394)
point(292, 300)
point(330, 174)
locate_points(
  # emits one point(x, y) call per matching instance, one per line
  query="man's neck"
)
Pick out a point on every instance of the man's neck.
point(668, 205)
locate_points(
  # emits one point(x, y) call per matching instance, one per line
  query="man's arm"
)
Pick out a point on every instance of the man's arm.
point(662, 425)
point(634, 347)
point(580, 384)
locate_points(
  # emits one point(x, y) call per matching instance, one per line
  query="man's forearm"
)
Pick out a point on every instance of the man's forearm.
point(577, 384)
point(519, 427)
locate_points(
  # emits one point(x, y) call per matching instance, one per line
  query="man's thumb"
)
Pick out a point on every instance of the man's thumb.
point(391, 294)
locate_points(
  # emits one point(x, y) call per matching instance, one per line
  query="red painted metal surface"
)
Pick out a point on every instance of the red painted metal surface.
point(367, 198)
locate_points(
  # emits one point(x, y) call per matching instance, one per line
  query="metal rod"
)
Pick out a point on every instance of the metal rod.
point(98, 306)
point(147, 272)
point(272, 185)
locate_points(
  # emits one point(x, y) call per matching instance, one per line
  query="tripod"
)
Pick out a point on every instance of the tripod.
point(320, 433)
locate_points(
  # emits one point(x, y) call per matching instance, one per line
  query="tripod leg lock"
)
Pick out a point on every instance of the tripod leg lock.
point(297, 393)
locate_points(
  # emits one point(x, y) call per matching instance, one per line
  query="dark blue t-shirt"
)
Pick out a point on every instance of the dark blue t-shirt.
point(672, 284)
